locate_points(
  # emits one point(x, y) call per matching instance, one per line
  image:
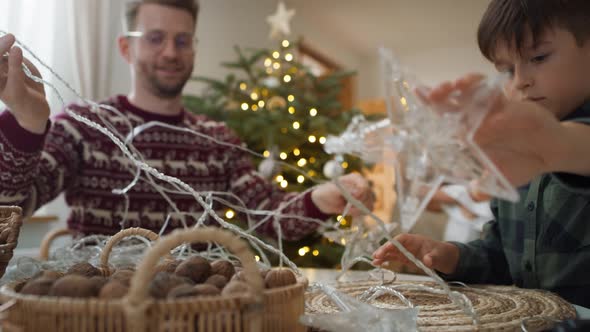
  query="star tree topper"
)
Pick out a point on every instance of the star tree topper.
point(279, 21)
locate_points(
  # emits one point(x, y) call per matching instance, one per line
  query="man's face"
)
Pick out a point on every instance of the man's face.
point(163, 56)
point(554, 73)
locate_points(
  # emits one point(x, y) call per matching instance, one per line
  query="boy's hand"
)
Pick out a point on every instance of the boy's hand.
point(329, 200)
point(518, 136)
point(440, 256)
point(24, 97)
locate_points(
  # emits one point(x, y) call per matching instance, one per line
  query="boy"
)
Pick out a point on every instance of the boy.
point(539, 138)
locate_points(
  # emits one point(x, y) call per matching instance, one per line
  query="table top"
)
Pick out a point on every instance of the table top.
point(329, 276)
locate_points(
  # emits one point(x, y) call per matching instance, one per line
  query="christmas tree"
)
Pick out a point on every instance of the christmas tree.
point(282, 110)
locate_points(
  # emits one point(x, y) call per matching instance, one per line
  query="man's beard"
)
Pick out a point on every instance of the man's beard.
point(162, 89)
point(167, 91)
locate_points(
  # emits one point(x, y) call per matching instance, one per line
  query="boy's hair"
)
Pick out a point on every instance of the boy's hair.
point(132, 8)
point(511, 20)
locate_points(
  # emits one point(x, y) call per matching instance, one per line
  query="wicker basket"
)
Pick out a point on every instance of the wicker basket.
point(500, 308)
point(48, 240)
point(10, 224)
point(262, 310)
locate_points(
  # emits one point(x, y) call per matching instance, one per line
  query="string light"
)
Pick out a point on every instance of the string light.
point(289, 57)
point(243, 86)
point(311, 173)
point(269, 70)
point(313, 112)
point(301, 162)
point(287, 78)
point(291, 110)
point(296, 152)
point(300, 178)
point(345, 165)
point(280, 178)
point(404, 101)
point(283, 156)
point(276, 54)
point(301, 252)
point(245, 106)
point(296, 125)
point(311, 139)
point(254, 108)
point(312, 160)
point(261, 103)
point(257, 258)
point(285, 43)
point(266, 153)
point(316, 253)
point(230, 214)
point(276, 65)
point(268, 62)
point(322, 140)
point(291, 98)
point(284, 184)
point(254, 96)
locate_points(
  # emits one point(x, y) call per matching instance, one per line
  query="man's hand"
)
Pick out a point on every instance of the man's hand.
point(24, 97)
point(440, 256)
point(328, 198)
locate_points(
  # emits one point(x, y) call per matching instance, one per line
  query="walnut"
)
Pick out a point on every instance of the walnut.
point(195, 268)
point(168, 266)
point(123, 276)
point(184, 290)
point(38, 286)
point(98, 282)
point(163, 282)
point(206, 290)
point(50, 274)
point(113, 289)
point(235, 287)
point(224, 268)
point(84, 269)
point(73, 285)
point(217, 280)
point(279, 278)
point(18, 286)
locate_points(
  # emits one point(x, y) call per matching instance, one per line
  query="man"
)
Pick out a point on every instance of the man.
point(43, 158)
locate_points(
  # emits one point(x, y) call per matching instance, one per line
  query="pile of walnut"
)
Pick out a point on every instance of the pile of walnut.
point(194, 276)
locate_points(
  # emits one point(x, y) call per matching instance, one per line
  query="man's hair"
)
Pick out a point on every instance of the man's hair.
point(510, 21)
point(132, 8)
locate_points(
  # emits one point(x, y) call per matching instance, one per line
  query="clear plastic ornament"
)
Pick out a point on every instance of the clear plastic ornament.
point(359, 316)
point(427, 144)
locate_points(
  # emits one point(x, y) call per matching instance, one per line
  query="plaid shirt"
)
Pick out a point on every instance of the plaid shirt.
point(542, 241)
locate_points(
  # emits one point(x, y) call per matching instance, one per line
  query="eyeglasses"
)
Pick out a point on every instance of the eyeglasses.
point(156, 39)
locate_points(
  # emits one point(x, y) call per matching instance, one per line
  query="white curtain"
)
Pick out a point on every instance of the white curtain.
point(93, 36)
point(76, 39)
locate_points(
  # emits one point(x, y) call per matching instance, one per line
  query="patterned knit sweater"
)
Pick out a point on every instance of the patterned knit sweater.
point(74, 158)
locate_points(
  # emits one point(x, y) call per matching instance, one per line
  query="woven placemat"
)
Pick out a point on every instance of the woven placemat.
point(500, 308)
